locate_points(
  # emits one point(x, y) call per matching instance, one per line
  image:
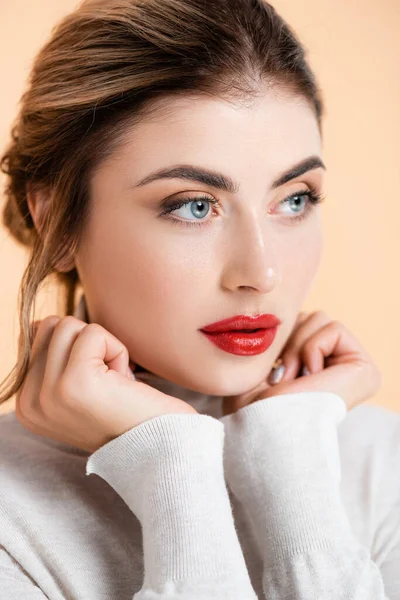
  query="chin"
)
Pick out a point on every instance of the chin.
point(229, 385)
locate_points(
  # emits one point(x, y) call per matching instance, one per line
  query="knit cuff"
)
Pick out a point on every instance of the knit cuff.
point(282, 463)
point(169, 471)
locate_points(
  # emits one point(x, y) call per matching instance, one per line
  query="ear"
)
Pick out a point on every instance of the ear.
point(38, 199)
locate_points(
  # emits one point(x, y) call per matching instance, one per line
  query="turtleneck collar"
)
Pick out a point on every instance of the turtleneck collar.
point(202, 403)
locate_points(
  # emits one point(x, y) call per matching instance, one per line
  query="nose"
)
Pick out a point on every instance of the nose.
point(251, 260)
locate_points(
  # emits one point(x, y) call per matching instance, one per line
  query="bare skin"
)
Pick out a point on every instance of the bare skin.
point(74, 363)
point(152, 283)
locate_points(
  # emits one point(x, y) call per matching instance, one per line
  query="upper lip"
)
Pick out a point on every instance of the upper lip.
point(261, 321)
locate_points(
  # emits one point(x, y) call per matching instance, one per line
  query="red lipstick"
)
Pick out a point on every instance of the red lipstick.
point(243, 335)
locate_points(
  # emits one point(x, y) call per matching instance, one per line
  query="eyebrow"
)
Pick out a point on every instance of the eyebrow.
point(223, 182)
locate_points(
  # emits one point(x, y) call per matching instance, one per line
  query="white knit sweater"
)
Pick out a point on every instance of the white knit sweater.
point(289, 498)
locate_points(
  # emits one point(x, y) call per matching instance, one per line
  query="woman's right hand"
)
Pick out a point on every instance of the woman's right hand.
point(79, 389)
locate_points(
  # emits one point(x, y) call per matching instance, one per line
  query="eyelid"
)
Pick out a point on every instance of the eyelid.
point(172, 203)
point(277, 191)
point(294, 187)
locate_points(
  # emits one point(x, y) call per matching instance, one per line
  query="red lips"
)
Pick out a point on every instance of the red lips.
point(240, 322)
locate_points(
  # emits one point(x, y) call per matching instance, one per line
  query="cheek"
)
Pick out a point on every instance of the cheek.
point(178, 276)
point(161, 292)
point(143, 266)
point(154, 274)
point(299, 264)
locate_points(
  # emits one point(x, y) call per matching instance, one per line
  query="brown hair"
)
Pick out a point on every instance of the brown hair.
point(99, 72)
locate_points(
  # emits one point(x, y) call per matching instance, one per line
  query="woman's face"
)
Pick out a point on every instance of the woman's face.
point(154, 281)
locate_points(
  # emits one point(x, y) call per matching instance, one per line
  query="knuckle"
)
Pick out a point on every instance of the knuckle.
point(49, 321)
point(335, 324)
point(330, 326)
point(308, 345)
point(95, 328)
point(322, 315)
point(66, 325)
point(301, 317)
point(66, 322)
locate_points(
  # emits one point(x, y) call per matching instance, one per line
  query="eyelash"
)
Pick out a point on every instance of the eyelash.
point(314, 198)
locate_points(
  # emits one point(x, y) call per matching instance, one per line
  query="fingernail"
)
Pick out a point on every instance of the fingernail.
point(305, 371)
point(277, 373)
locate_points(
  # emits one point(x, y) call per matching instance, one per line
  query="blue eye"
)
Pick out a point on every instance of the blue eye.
point(199, 207)
point(312, 198)
point(295, 202)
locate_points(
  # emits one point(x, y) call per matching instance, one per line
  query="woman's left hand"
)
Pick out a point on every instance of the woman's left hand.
point(334, 358)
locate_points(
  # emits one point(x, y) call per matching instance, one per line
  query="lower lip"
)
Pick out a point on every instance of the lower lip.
point(243, 344)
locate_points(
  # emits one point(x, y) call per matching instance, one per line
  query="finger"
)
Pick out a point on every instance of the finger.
point(99, 346)
point(33, 331)
point(301, 332)
point(278, 368)
point(301, 317)
point(291, 354)
point(354, 382)
point(37, 363)
point(334, 341)
point(27, 398)
point(44, 332)
point(33, 327)
point(64, 335)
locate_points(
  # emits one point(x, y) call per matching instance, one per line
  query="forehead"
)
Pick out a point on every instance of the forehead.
point(272, 132)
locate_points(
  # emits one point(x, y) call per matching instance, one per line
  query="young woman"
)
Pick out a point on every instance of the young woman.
point(167, 160)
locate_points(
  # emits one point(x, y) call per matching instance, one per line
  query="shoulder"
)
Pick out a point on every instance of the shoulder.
point(18, 439)
point(39, 478)
point(28, 460)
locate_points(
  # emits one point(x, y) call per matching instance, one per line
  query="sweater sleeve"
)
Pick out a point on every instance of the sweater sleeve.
point(282, 463)
point(15, 583)
point(169, 471)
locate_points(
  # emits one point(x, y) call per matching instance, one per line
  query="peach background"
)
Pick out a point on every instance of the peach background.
point(354, 48)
